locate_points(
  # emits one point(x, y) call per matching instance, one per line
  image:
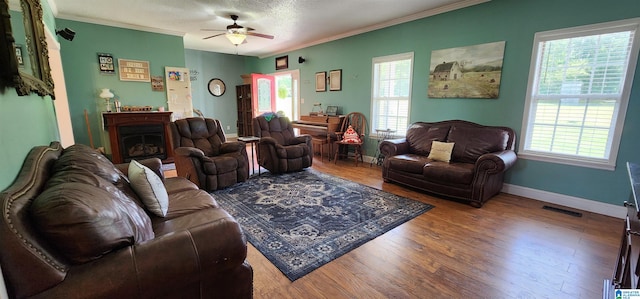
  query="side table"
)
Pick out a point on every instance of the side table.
point(254, 158)
point(381, 135)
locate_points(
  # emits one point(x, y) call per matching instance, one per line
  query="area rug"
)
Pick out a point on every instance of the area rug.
point(301, 221)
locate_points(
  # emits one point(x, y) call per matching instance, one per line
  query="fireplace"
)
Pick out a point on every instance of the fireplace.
point(139, 135)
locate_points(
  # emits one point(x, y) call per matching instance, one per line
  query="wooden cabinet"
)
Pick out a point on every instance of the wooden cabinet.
point(627, 274)
point(245, 110)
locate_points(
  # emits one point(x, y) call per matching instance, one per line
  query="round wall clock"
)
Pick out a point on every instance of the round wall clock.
point(216, 87)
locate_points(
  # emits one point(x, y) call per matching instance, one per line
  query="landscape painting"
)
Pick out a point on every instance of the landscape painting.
point(466, 72)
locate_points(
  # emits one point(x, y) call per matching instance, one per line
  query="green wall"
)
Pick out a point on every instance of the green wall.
point(515, 22)
point(84, 80)
point(25, 122)
point(205, 66)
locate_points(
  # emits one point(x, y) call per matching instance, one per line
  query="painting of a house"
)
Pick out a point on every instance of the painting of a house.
point(447, 71)
point(466, 72)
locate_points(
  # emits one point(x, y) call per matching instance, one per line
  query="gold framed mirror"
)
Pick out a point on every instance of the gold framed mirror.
point(30, 73)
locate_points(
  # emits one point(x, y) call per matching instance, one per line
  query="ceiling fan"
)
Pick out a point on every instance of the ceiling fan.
point(236, 33)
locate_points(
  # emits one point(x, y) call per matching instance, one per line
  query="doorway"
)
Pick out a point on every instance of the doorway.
point(288, 93)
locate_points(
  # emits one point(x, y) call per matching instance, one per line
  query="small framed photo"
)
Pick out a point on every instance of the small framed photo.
point(332, 110)
point(321, 81)
point(19, 56)
point(282, 62)
point(106, 63)
point(335, 80)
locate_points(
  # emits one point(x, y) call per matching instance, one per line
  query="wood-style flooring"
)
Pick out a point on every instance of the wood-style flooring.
point(509, 248)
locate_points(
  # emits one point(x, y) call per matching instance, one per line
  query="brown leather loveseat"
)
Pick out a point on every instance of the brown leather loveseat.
point(74, 226)
point(478, 160)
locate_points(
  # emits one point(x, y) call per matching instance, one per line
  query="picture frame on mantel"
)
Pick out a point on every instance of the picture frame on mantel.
point(321, 81)
point(335, 80)
point(282, 62)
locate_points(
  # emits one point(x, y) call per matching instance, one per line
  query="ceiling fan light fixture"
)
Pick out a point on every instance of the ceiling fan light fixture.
point(236, 38)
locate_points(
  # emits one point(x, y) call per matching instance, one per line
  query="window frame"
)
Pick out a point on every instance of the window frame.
point(374, 116)
point(619, 115)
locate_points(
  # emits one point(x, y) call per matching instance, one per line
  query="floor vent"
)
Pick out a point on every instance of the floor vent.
point(559, 210)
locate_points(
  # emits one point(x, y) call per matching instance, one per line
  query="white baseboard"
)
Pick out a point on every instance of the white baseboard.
point(567, 201)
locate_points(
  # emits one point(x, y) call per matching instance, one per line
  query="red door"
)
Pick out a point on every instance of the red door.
point(263, 88)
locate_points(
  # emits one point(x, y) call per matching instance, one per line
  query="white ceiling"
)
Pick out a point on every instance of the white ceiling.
point(294, 23)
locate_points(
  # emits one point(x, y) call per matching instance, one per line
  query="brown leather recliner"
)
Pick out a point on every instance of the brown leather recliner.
point(279, 149)
point(204, 156)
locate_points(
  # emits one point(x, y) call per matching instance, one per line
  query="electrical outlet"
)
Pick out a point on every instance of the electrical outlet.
point(228, 127)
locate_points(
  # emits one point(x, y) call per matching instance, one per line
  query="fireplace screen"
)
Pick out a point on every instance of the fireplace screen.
point(141, 142)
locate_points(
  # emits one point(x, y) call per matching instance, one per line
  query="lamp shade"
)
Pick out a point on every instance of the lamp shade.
point(106, 93)
point(236, 38)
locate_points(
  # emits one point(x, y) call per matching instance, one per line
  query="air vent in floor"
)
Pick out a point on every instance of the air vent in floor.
point(563, 211)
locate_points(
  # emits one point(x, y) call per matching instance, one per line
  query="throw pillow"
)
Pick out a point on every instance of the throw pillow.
point(441, 151)
point(148, 185)
point(351, 136)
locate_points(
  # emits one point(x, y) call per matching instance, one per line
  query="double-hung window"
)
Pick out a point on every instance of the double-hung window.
point(579, 85)
point(391, 93)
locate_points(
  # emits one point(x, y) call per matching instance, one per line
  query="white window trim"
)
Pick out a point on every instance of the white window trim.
point(607, 164)
point(408, 55)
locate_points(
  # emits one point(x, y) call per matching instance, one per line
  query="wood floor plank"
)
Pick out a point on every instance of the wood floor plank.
point(509, 248)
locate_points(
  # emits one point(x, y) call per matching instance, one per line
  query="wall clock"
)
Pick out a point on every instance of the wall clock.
point(216, 87)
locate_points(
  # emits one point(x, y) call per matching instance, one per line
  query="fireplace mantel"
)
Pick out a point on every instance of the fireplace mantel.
point(114, 120)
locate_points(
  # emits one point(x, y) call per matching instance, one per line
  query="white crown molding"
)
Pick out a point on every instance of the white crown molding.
point(567, 201)
point(120, 25)
point(409, 18)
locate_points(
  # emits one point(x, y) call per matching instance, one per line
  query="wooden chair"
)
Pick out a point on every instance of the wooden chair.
point(358, 122)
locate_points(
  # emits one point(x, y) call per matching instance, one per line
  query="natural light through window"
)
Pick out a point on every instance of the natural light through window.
point(578, 92)
point(391, 93)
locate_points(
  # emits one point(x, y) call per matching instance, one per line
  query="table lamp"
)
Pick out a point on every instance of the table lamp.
point(106, 94)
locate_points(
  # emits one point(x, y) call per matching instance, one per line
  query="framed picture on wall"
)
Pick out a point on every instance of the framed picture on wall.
point(321, 81)
point(19, 56)
point(105, 61)
point(335, 80)
point(282, 62)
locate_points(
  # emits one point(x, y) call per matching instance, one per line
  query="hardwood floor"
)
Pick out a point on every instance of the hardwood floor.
point(509, 248)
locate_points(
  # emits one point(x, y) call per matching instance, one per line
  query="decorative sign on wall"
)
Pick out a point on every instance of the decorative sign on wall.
point(157, 84)
point(106, 63)
point(134, 70)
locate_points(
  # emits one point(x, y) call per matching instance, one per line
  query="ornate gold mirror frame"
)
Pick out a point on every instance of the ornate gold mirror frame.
point(39, 81)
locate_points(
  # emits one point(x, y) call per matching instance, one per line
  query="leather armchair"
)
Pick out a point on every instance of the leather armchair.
point(279, 149)
point(204, 156)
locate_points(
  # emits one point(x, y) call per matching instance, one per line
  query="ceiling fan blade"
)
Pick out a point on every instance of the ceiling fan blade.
point(260, 35)
point(213, 29)
point(208, 37)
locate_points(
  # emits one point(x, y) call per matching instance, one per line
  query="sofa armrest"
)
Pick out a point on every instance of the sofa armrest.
point(152, 163)
point(303, 138)
point(232, 147)
point(496, 162)
point(169, 264)
point(392, 147)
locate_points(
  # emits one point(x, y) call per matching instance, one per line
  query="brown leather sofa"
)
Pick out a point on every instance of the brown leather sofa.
point(479, 159)
point(72, 227)
point(204, 156)
point(279, 149)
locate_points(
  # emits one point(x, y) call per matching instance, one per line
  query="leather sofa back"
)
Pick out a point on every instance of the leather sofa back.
point(471, 139)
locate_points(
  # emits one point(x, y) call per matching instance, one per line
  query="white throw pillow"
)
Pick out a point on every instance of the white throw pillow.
point(148, 185)
point(441, 151)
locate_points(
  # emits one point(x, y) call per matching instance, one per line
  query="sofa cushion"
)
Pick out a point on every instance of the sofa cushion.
point(449, 173)
point(84, 221)
point(410, 163)
point(471, 143)
point(79, 155)
point(187, 202)
point(420, 137)
point(148, 185)
point(441, 151)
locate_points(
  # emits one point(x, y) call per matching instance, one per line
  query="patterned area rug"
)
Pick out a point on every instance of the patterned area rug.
point(301, 221)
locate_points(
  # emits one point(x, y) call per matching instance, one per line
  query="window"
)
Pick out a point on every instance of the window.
point(579, 85)
point(391, 93)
